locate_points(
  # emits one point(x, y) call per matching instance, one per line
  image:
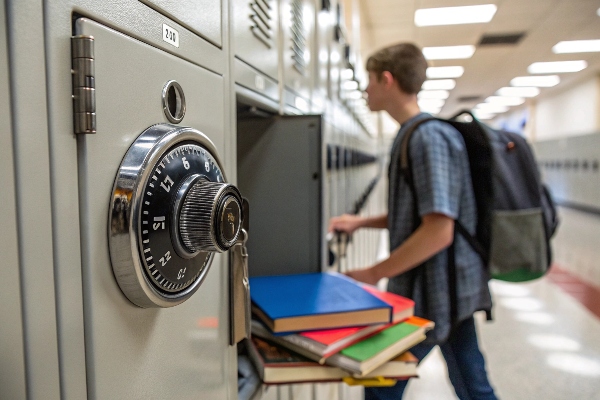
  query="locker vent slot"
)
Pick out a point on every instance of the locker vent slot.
point(260, 17)
point(298, 37)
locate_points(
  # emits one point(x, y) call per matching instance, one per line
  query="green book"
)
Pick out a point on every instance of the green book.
point(363, 357)
point(374, 345)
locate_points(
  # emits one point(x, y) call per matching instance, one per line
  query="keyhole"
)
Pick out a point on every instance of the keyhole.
point(173, 102)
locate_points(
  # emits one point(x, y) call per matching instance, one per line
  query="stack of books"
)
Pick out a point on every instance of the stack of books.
point(327, 327)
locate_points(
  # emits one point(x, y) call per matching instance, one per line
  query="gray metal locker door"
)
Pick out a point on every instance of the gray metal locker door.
point(280, 171)
point(297, 31)
point(132, 352)
point(256, 34)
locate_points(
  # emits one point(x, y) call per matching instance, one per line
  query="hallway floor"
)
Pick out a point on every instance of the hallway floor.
point(544, 343)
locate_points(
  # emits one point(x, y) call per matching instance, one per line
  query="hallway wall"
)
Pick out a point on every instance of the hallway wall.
point(572, 112)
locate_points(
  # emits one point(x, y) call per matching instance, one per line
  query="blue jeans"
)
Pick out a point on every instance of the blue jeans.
point(466, 367)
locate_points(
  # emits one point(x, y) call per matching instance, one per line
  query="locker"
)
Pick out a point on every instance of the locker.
point(80, 324)
point(126, 343)
point(322, 38)
point(133, 63)
point(297, 30)
point(255, 27)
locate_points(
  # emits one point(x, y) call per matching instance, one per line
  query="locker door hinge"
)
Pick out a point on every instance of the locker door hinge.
point(84, 91)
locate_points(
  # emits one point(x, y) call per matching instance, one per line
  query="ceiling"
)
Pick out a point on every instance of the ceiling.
point(544, 22)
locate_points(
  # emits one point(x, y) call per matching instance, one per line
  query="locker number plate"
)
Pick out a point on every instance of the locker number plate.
point(170, 35)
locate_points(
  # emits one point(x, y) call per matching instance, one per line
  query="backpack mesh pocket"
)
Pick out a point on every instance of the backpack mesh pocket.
point(519, 247)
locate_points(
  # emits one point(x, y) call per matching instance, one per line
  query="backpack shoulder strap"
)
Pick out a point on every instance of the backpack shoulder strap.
point(404, 153)
point(472, 241)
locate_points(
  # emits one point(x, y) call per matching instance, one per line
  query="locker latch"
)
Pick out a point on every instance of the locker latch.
point(239, 291)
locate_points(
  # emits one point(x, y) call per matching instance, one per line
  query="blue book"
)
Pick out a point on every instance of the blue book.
point(304, 302)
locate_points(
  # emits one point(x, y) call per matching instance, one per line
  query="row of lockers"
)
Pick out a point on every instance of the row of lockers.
point(570, 167)
point(339, 157)
point(294, 53)
point(70, 330)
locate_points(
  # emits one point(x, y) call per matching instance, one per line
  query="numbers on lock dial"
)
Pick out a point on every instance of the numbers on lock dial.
point(167, 270)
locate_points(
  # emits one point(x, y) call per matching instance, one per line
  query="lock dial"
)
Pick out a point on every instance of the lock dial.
point(171, 210)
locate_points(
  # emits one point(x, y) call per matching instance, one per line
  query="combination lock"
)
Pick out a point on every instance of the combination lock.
point(171, 210)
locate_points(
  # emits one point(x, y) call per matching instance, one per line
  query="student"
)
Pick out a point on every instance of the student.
point(421, 234)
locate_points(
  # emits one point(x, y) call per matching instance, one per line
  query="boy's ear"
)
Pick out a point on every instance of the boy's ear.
point(387, 79)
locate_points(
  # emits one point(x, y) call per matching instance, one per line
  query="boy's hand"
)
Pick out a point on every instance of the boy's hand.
point(366, 275)
point(345, 223)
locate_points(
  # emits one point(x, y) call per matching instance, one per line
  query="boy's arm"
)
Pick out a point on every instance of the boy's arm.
point(349, 223)
point(435, 233)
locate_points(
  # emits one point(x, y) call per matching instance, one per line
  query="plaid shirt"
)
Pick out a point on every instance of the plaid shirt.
point(440, 170)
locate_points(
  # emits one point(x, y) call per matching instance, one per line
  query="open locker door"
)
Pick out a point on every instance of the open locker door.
point(280, 171)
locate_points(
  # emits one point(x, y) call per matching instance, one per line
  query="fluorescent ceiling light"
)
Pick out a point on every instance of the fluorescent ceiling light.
point(431, 110)
point(350, 85)
point(439, 84)
point(445, 72)
point(505, 101)
point(483, 115)
point(576, 46)
point(539, 81)
point(555, 67)
point(518, 91)
point(347, 74)
point(431, 103)
point(491, 108)
point(300, 103)
point(355, 95)
point(323, 56)
point(325, 19)
point(455, 15)
point(434, 94)
point(448, 52)
point(334, 57)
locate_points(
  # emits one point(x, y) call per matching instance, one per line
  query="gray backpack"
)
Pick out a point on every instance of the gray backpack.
point(516, 216)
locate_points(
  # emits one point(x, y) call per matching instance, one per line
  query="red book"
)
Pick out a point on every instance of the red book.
point(324, 343)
